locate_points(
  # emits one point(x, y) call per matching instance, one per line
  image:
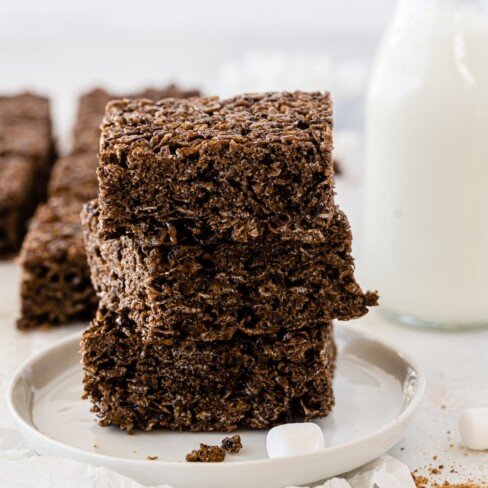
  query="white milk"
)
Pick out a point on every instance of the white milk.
point(426, 214)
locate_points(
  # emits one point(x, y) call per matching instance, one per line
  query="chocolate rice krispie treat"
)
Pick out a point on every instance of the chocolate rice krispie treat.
point(56, 286)
point(203, 386)
point(248, 168)
point(26, 155)
point(209, 292)
point(220, 260)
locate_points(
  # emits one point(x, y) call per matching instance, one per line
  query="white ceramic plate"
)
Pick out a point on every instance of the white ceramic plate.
point(377, 390)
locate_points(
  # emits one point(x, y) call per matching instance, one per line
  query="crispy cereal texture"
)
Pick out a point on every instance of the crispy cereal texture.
point(209, 292)
point(242, 169)
point(202, 386)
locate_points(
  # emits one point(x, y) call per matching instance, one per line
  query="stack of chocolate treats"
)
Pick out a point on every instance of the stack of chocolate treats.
point(26, 156)
point(56, 286)
point(220, 261)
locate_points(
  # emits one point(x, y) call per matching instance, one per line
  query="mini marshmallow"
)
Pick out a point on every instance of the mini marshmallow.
point(473, 427)
point(294, 439)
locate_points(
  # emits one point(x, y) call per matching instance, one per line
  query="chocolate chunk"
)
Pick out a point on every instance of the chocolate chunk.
point(232, 444)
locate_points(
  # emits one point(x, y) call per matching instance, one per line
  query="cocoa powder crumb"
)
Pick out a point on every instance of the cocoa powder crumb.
point(469, 484)
point(420, 481)
point(423, 482)
point(431, 479)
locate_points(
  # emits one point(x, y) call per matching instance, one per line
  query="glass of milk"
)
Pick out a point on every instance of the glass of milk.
point(426, 212)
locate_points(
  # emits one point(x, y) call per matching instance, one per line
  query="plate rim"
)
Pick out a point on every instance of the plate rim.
point(404, 416)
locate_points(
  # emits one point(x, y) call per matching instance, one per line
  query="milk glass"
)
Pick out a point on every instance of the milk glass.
point(426, 209)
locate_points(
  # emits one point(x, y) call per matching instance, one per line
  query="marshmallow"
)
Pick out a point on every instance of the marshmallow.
point(294, 439)
point(473, 427)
